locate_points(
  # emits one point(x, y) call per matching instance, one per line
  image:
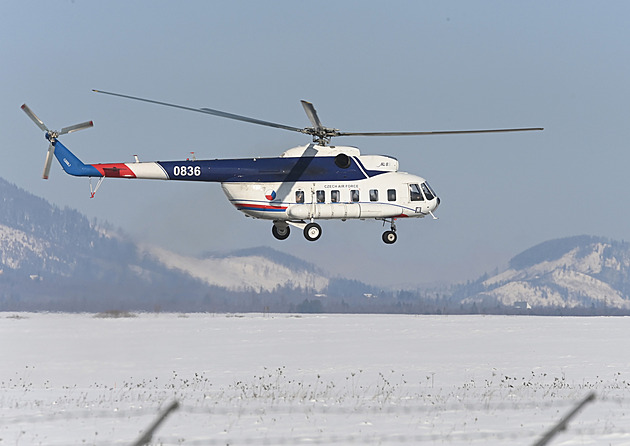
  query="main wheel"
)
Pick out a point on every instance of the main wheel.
point(281, 233)
point(312, 232)
point(389, 237)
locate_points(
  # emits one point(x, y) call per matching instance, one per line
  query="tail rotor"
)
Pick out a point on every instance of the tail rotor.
point(52, 135)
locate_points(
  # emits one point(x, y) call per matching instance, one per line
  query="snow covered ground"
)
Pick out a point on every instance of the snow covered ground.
point(324, 379)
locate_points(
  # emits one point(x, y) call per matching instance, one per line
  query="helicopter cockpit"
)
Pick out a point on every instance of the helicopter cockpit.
point(420, 192)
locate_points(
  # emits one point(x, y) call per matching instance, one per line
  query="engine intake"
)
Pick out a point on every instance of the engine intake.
point(342, 160)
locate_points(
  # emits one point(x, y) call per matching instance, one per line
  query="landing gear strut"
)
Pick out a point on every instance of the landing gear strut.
point(390, 236)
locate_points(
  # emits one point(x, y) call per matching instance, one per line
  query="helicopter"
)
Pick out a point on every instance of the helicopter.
point(315, 181)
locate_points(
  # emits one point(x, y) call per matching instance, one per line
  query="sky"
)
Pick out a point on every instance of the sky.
point(366, 66)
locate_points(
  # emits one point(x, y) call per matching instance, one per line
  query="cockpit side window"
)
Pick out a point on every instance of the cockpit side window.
point(427, 191)
point(414, 191)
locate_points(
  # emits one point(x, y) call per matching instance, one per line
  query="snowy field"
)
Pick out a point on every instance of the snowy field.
point(258, 379)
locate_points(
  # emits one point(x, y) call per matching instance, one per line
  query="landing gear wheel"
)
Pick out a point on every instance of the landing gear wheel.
point(312, 232)
point(281, 233)
point(389, 237)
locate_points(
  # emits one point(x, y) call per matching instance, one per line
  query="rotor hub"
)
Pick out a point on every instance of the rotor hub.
point(52, 135)
point(321, 135)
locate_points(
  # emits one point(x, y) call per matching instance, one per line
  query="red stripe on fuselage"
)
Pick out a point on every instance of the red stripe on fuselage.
point(117, 170)
point(259, 207)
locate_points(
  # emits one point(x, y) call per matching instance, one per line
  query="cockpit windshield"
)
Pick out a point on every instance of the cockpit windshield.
point(416, 192)
point(427, 191)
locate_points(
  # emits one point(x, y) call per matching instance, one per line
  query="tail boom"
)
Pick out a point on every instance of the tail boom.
point(149, 171)
point(74, 166)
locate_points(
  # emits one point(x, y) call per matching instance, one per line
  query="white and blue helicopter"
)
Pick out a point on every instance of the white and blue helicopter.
point(313, 182)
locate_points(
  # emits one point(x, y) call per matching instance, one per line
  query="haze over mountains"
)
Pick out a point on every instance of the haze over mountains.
point(54, 259)
point(581, 271)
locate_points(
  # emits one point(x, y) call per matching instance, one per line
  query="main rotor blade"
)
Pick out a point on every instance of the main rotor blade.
point(312, 114)
point(34, 118)
point(49, 158)
point(439, 132)
point(76, 127)
point(209, 111)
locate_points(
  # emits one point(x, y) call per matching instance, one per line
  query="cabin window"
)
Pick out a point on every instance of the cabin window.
point(415, 193)
point(334, 196)
point(299, 196)
point(427, 191)
point(373, 194)
point(321, 196)
point(354, 195)
point(391, 194)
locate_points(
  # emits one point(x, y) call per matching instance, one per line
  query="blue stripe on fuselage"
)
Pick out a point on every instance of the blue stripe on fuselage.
point(272, 170)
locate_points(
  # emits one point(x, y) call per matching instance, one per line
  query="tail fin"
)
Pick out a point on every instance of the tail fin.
point(73, 165)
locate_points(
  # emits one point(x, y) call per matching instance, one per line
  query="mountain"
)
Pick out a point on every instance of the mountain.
point(571, 273)
point(257, 269)
point(55, 259)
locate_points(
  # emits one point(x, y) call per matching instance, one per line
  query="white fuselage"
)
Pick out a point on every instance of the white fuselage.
point(382, 193)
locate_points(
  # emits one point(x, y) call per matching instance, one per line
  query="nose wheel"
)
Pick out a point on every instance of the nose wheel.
point(390, 236)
